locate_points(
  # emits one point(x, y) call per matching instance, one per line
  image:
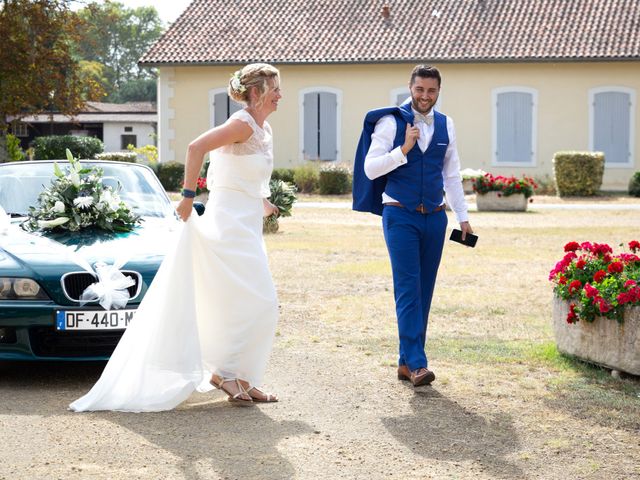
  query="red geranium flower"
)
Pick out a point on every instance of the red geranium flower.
point(599, 276)
point(571, 247)
point(590, 291)
point(572, 317)
point(627, 284)
point(580, 264)
point(615, 267)
point(562, 280)
point(574, 286)
point(634, 245)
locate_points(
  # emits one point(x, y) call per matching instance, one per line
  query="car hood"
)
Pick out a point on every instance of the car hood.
point(40, 255)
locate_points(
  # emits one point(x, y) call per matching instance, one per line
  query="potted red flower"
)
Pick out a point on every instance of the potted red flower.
point(500, 193)
point(601, 290)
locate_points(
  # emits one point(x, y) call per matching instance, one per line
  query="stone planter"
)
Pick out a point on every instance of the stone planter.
point(603, 341)
point(491, 202)
point(467, 186)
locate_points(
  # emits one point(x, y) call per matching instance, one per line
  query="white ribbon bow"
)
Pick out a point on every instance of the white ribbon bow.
point(418, 117)
point(111, 288)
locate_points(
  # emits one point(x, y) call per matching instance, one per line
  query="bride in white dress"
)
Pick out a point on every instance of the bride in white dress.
point(210, 315)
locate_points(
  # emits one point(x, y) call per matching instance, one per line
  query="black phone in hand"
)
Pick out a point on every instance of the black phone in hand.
point(470, 239)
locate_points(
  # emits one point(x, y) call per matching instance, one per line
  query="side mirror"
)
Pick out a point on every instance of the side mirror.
point(199, 207)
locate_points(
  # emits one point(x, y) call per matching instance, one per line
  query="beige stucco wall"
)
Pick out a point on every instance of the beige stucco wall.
point(562, 113)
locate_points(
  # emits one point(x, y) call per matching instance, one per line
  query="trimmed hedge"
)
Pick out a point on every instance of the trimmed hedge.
point(129, 157)
point(578, 173)
point(284, 174)
point(634, 185)
point(306, 178)
point(54, 147)
point(334, 179)
point(171, 175)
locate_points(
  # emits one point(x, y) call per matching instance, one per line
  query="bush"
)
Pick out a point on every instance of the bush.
point(546, 185)
point(306, 178)
point(634, 185)
point(54, 147)
point(14, 151)
point(284, 174)
point(334, 179)
point(578, 173)
point(129, 157)
point(171, 175)
point(147, 153)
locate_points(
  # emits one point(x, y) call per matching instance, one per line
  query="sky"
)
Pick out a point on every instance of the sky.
point(168, 10)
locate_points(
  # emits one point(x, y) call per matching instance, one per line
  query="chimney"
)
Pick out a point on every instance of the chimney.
point(386, 11)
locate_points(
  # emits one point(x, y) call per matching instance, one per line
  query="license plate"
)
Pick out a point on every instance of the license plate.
point(93, 319)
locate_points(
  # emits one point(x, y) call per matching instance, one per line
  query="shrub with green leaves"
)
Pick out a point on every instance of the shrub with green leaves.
point(578, 173)
point(171, 175)
point(634, 185)
point(54, 147)
point(129, 157)
point(14, 150)
point(284, 174)
point(334, 179)
point(306, 178)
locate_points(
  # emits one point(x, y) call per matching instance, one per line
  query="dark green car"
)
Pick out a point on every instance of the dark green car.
point(41, 273)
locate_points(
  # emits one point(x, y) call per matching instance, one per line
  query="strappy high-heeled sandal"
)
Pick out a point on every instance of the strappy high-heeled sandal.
point(234, 398)
point(268, 397)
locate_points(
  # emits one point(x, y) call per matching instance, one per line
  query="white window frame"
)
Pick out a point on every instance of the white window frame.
point(338, 94)
point(632, 122)
point(19, 129)
point(534, 125)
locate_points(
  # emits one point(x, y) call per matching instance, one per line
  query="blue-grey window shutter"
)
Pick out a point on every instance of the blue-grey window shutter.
point(328, 126)
point(311, 126)
point(401, 97)
point(514, 127)
point(224, 107)
point(611, 126)
point(220, 108)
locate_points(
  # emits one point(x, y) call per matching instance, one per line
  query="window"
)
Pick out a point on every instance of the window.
point(320, 129)
point(128, 129)
point(221, 106)
point(126, 140)
point(611, 124)
point(514, 126)
point(19, 129)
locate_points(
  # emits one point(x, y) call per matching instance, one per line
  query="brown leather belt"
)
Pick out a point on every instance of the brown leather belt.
point(420, 208)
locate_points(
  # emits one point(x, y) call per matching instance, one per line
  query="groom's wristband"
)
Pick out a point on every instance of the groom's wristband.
point(186, 193)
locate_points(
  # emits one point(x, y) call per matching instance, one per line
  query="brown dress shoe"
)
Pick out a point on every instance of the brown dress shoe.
point(422, 376)
point(404, 373)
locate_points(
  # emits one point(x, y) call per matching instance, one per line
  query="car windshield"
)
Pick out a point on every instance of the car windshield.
point(138, 187)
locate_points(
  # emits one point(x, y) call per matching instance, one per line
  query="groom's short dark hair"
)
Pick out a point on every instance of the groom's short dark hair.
point(425, 71)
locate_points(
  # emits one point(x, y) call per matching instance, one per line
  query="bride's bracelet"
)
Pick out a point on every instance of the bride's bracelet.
point(186, 193)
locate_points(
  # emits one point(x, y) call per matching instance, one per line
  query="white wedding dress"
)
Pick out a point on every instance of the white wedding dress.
point(212, 307)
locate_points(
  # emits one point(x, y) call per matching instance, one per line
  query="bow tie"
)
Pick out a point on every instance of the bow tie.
point(418, 117)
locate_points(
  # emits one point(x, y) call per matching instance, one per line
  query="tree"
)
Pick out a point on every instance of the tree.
point(38, 71)
point(117, 37)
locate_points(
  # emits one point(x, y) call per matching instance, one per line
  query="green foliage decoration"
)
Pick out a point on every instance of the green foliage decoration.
point(578, 173)
point(283, 196)
point(54, 147)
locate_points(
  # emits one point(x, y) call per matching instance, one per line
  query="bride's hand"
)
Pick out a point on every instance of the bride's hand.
point(269, 208)
point(185, 208)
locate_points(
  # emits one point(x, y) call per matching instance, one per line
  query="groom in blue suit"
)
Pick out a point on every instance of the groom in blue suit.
point(406, 160)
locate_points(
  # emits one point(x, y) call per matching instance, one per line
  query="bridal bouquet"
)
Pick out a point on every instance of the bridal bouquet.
point(283, 196)
point(597, 282)
point(77, 199)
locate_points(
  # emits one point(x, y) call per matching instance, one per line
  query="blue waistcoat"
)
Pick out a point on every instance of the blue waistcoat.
point(417, 182)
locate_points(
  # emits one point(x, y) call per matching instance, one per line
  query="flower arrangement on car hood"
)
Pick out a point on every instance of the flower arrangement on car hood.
point(596, 282)
point(77, 199)
point(504, 185)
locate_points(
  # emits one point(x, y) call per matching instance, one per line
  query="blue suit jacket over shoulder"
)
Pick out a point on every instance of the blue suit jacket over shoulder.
point(367, 194)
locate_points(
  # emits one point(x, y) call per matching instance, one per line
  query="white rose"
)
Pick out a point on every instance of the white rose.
point(58, 207)
point(75, 178)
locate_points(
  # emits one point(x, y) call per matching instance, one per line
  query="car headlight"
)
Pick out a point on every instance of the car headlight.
point(21, 289)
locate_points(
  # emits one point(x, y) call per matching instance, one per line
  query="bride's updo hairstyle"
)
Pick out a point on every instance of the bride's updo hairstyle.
point(253, 75)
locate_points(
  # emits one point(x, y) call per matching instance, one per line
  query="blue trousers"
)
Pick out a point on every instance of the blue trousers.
point(415, 242)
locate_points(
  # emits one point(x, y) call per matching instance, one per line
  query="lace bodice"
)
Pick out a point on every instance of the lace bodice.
point(261, 142)
point(244, 166)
